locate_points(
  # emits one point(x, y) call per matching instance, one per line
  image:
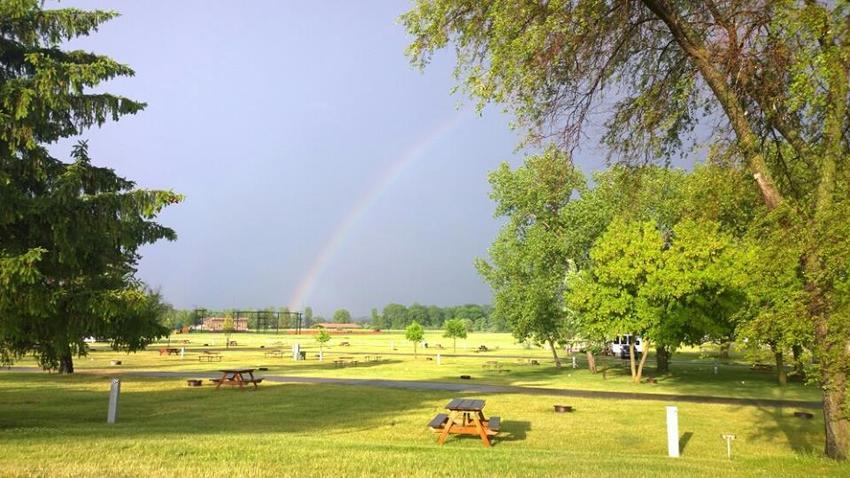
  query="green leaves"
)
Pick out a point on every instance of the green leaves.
point(69, 232)
point(528, 258)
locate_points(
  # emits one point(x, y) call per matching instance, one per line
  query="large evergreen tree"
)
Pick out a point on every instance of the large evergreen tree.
point(69, 232)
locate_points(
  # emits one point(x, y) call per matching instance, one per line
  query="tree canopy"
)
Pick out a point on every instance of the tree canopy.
point(69, 232)
point(768, 83)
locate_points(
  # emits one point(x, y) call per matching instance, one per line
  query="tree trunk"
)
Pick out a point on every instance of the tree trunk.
point(66, 362)
point(554, 353)
point(799, 369)
point(643, 356)
point(724, 350)
point(781, 375)
point(591, 361)
point(414, 351)
point(833, 378)
point(662, 359)
point(454, 346)
point(632, 367)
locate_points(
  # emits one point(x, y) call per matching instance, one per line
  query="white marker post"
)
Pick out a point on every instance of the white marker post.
point(673, 432)
point(182, 352)
point(439, 359)
point(574, 362)
point(114, 391)
point(729, 439)
point(296, 351)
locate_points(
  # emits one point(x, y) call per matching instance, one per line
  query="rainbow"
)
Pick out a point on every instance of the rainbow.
point(337, 237)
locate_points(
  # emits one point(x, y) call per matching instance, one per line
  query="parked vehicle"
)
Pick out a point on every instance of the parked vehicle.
point(620, 345)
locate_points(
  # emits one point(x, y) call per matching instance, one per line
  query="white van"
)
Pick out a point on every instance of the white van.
point(620, 345)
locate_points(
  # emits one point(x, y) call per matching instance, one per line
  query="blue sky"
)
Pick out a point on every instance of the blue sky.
point(274, 119)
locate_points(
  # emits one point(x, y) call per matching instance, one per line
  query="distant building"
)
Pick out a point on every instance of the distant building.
point(337, 327)
point(216, 324)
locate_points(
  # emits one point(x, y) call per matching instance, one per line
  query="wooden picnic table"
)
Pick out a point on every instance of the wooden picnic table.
point(465, 417)
point(207, 356)
point(169, 351)
point(343, 361)
point(237, 377)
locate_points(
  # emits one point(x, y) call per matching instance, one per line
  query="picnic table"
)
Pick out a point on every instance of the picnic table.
point(343, 361)
point(169, 351)
point(274, 353)
point(465, 417)
point(372, 358)
point(237, 378)
point(207, 356)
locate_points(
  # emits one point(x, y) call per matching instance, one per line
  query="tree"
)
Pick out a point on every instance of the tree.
point(435, 316)
point(609, 296)
point(69, 232)
point(528, 261)
point(308, 316)
point(228, 327)
point(342, 316)
point(396, 316)
point(322, 337)
point(284, 320)
point(414, 333)
point(454, 329)
point(774, 73)
point(377, 321)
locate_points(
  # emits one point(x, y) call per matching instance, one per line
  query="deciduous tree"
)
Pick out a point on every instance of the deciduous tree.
point(774, 77)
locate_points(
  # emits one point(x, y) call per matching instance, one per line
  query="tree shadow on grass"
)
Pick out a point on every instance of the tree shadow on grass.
point(76, 407)
point(804, 436)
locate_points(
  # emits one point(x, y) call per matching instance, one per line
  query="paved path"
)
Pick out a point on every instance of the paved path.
point(484, 388)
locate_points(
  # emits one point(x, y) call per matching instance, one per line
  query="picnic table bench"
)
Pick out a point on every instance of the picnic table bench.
point(274, 353)
point(465, 417)
point(207, 356)
point(344, 344)
point(237, 378)
point(169, 351)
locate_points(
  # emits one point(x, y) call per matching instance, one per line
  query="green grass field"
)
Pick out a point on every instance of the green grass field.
point(54, 425)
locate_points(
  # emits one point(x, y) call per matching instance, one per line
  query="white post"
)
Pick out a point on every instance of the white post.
point(673, 432)
point(729, 438)
point(321, 356)
point(574, 362)
point(439, 359)
point(182, 352)
point(296, 351)
point(114, 390)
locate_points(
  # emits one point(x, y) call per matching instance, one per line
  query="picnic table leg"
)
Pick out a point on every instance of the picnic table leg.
point(251, 374)
point(481, 431)
point(445, 433)
point(221, 381)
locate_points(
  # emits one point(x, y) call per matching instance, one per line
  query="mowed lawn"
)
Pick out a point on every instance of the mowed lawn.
point(691, 372)
point(54, 425)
